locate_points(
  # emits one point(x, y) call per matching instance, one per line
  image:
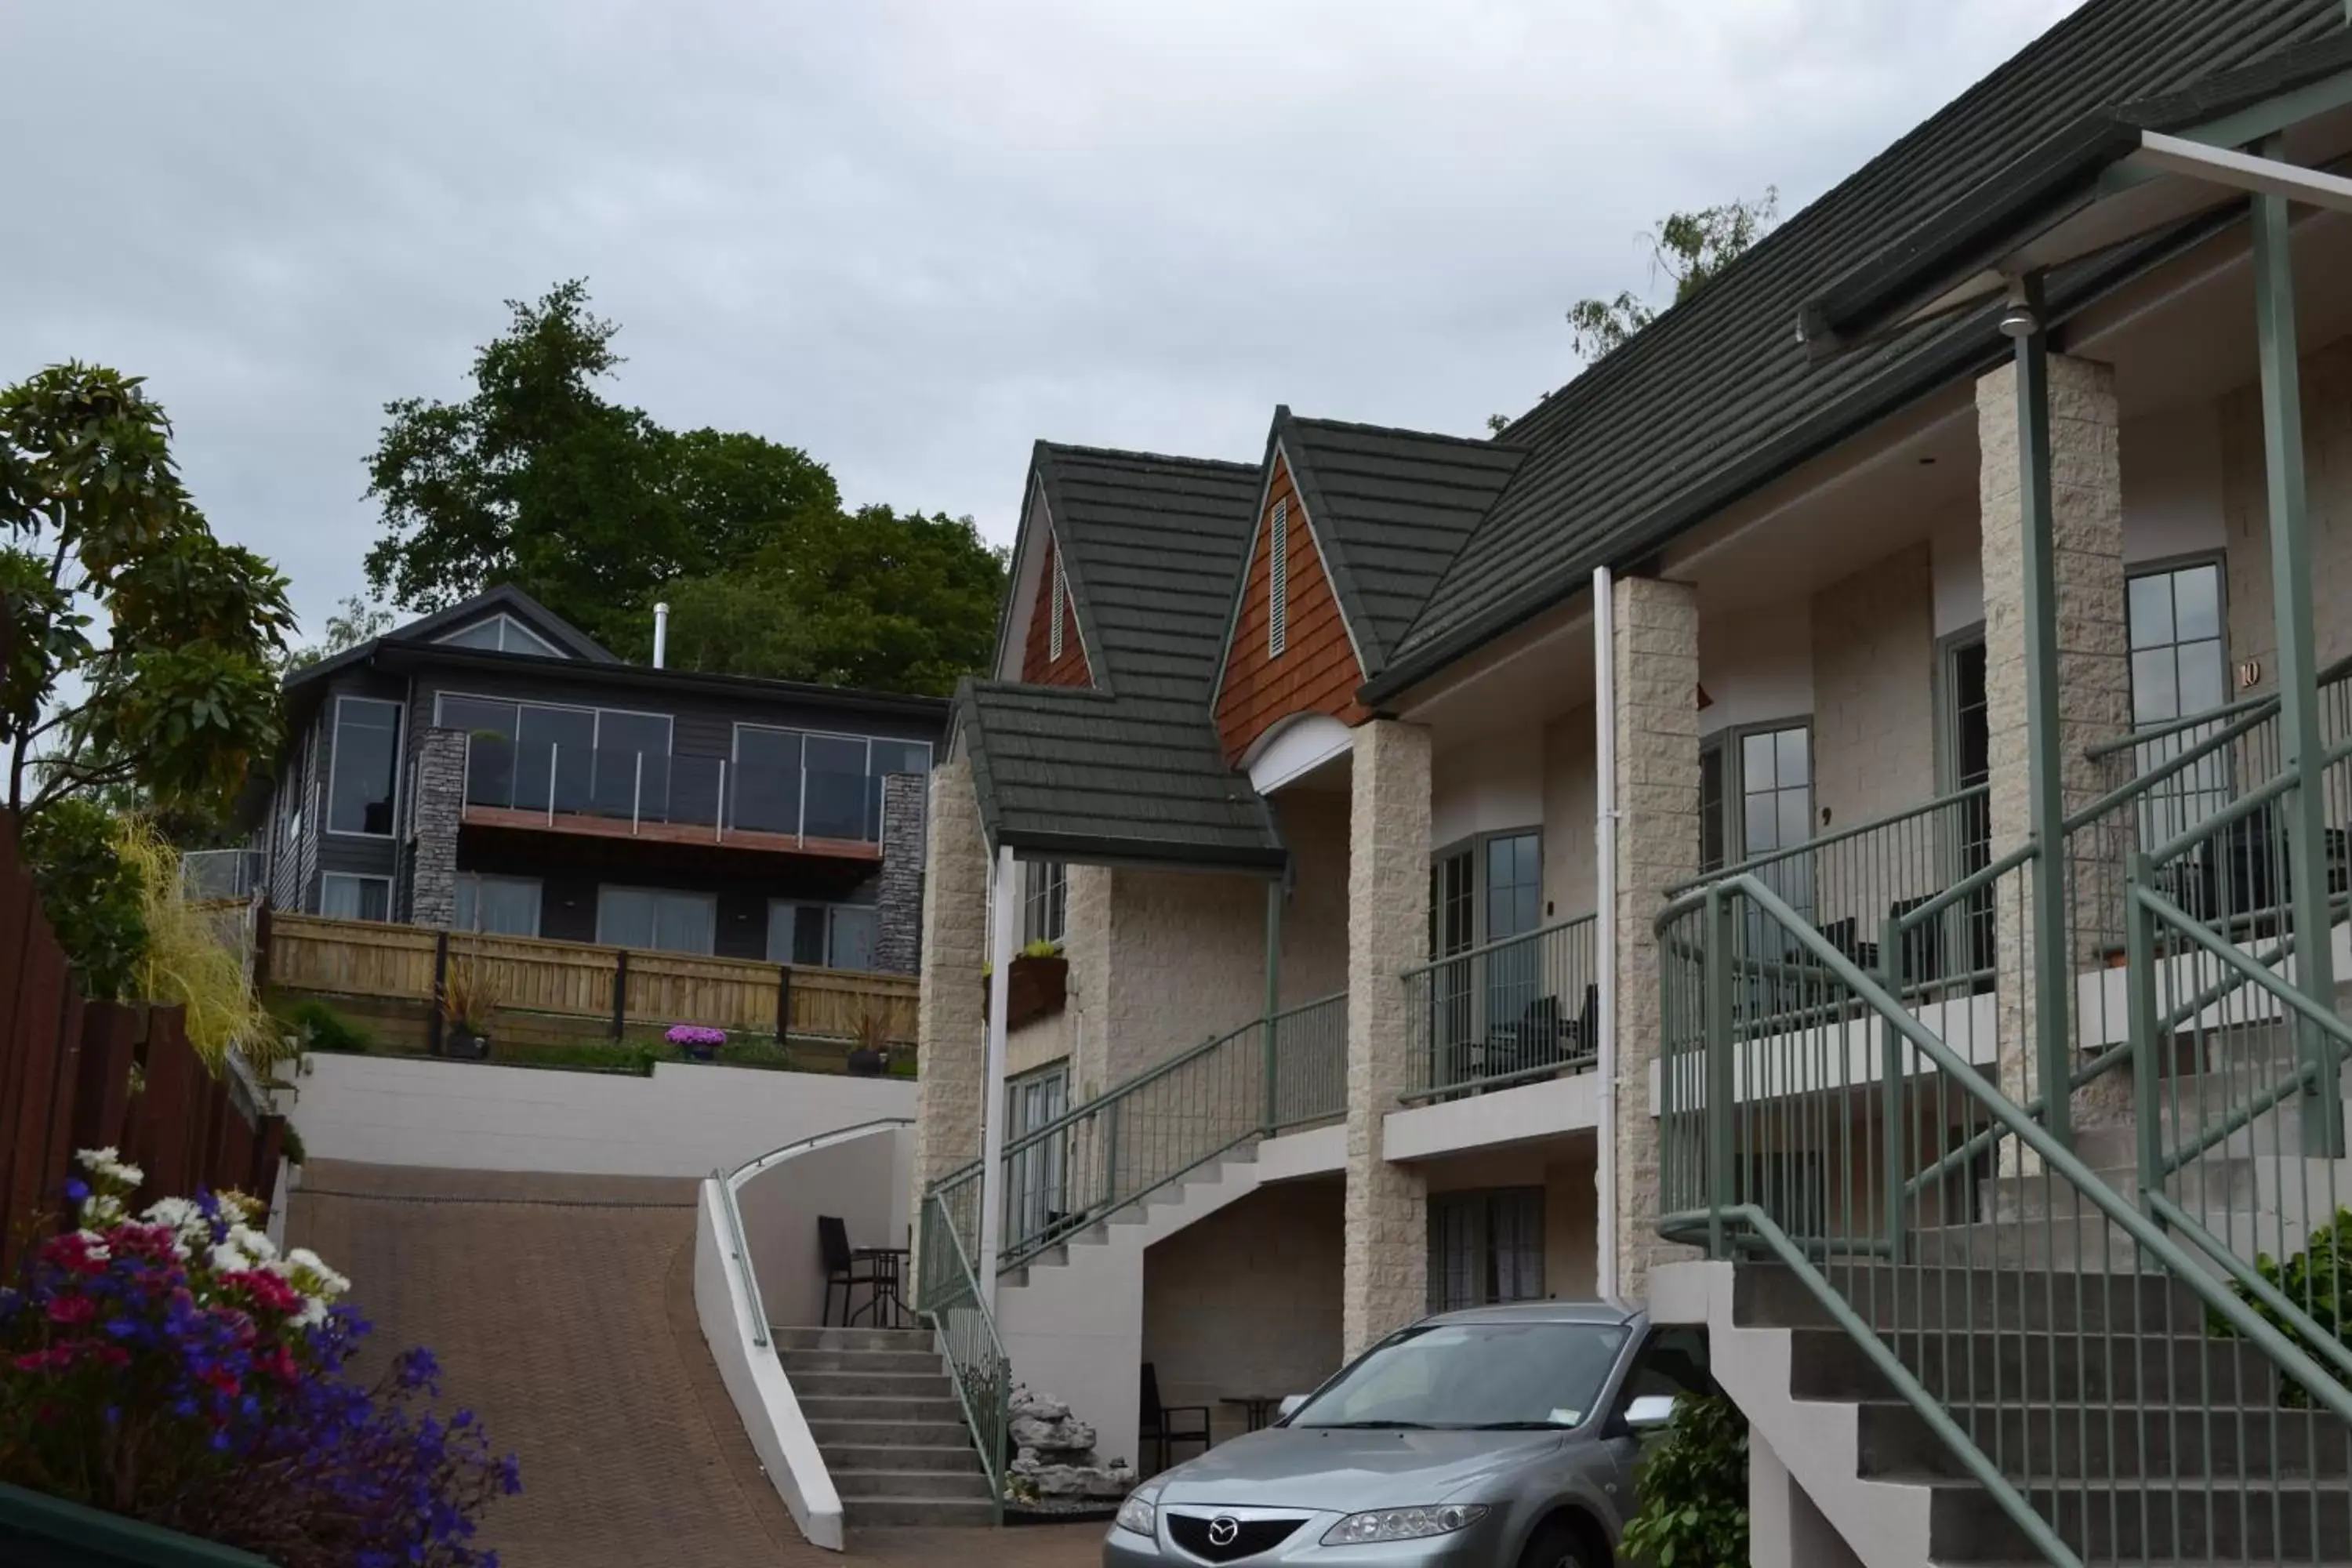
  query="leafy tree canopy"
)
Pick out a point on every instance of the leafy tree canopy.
point(539, 480)
point(353, 622)
point(179, 698)
point(1692, 249)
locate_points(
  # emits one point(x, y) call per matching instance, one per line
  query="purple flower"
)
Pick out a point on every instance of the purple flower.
point(695, 1035)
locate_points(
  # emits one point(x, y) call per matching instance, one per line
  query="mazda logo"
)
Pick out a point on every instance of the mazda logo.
point(1223, 1530)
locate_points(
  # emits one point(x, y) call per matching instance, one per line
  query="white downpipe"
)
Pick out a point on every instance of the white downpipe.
point(661, 634)
point(1004, 909)
point(1604, 929)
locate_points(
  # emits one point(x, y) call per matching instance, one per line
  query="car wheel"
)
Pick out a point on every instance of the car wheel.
point(1557, 1545)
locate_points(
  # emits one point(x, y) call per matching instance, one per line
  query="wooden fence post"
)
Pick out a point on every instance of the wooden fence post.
point(109, 1047)
point(440, 990)
point(783, 1004)
point(265, 927)
point(161, 1112)
point(620, 991)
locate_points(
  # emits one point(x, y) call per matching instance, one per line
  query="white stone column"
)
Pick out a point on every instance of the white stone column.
point(2093, 678)
point(951, 1030)
point(1657, 667)
point(1386, 1270)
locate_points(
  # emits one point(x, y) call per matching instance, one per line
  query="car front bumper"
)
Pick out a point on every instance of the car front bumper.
point(1480, 1546)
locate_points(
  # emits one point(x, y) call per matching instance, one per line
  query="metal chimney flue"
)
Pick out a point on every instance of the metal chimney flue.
point(661, 634)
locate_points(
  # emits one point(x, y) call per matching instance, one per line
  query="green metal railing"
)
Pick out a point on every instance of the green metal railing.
point(947, 1292)
point(1503, 1013)
point(1306, 1069)
point(2036, 1325)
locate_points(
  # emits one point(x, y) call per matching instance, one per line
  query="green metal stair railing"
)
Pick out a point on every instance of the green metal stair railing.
point(2046, 1329)
point(947, 1292)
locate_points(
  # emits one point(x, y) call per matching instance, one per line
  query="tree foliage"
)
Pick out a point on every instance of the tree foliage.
point(1692, 1490)
point(1692, 249)
point(179, 698)
point(353, 622)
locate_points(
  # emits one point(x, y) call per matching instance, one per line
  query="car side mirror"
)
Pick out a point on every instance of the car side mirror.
point(1650, 1413)
point(1290, 1406)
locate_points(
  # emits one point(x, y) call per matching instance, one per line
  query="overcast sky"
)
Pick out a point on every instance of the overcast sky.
point(908, 237)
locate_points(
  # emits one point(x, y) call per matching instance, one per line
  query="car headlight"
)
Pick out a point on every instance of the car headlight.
point(1403, 1524)
point(1138, 1515)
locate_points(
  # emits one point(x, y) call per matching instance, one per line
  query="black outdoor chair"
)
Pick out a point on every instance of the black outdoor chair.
point(1167, 1425)
point(846, 1269)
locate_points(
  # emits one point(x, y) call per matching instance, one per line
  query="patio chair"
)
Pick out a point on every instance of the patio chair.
point(844, 1269)
point(1169, 1424)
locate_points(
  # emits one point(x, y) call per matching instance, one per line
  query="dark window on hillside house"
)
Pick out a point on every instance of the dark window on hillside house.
point(366, 766)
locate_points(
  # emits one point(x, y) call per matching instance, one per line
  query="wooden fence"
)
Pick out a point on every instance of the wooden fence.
point(67, 1082)
point(622, 986)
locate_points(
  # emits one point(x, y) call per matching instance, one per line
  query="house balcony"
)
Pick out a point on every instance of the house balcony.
point(1504, 1013)
point(618, 795)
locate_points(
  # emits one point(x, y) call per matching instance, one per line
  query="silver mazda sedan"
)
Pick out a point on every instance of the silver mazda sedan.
point(1498, 1437)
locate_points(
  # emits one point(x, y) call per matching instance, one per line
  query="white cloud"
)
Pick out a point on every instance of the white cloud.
point(908, 237)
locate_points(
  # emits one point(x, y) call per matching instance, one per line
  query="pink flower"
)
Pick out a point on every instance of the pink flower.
point(72, 1310)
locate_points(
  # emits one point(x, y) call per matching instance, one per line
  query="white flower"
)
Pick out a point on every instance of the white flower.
point(306, 1268)
point(94, 1246)
point(227, 1260)
point(252, 1243)
point(313, 1313)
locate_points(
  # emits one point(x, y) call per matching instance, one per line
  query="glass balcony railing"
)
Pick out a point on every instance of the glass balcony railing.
point(642, 787)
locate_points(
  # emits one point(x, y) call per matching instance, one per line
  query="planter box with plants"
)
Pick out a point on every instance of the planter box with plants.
point(1039, 984)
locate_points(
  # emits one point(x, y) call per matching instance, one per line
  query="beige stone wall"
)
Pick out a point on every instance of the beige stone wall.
point(1656, 667)
point(1247, 1300)
point(1035, 1044)
point(2094, 671)
point(1571, 879)
point(2328, 463)
point(951, 1033)
point(1187, 961)
point(1387, 1258)
point(1085, 943)
point(1314, 918)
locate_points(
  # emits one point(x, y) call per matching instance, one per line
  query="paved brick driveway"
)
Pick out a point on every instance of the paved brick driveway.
point(562, 1310)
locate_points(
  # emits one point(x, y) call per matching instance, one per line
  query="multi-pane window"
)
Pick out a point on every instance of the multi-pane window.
point(1045, 900)
point(1277, 619)
point(823, 936)
point(1034, 1195)
point(1712, 852)
point(2178, 670)
point(500, 906)
point(1776, 791)
point(820, 786)
point(366, 766)
point(501, 634)
point(653, 918)
point(1514, 897)
point(344, 897)
point(1486, 1247)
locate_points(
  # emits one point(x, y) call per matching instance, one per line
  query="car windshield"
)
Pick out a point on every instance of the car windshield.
point(1496, 1375)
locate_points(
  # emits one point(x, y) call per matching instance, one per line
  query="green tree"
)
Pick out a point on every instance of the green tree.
point(353, 622)
point(539, 479)
point(884, 600)
point(178, 699)
point(1692, 249)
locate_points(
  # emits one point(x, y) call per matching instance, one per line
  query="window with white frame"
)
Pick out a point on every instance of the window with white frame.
point(498, 906)
point(658, 918)
point(1277, 610)
point(343, 896)
point(1045, 900)
point(365, 769)
point(501, 634)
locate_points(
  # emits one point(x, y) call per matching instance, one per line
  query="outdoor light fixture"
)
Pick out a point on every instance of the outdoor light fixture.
point(2019, 321)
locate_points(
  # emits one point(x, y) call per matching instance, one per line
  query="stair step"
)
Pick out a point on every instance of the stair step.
point(2189, 1442)
point(797, 1362)
point(1917, 1298)
point(855, 1433)
point(945, 1485)
point(2000, 1368)
point(800, 1337)
point(932, 1384)
point(2257, 1520)
point(816, 1407)
point(960, 1457)
point(897, 1512)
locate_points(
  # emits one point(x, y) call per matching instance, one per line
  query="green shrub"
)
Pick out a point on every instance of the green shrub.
point(96, 901)
point(2318, 1279)
point(1693, 1490)
point(324, 1029)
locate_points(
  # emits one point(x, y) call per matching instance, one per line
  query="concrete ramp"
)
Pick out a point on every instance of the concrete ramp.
point(562, 1308)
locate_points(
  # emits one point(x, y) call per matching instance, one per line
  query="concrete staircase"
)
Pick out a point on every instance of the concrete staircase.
point(2140, 1439)
point(884, 1413)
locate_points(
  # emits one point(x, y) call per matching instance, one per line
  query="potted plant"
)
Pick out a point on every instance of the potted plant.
point(468, 1001)
point(697, 1043)
point(1038, 984)
point(870, 1057)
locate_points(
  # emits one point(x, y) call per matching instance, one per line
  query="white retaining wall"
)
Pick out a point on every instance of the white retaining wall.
point(682, 1121)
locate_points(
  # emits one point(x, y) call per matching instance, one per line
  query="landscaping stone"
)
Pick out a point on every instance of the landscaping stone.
point(1054, 1452)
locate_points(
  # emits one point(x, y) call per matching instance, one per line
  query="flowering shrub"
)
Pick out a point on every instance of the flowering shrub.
point(174, 1367)
point(695, 1035)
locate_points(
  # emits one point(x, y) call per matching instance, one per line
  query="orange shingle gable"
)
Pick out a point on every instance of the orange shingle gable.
point(1038, 665)
point(1317, 672)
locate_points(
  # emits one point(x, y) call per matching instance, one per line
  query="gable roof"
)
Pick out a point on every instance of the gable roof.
point(503, 599)
point(1150, 547)
point(1717, 397)
point(1390, 509)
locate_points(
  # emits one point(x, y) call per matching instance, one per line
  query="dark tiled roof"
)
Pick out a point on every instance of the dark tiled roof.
point(1091, 776)
point(1152, 548)
point(1391, 508)
point(1718, 395)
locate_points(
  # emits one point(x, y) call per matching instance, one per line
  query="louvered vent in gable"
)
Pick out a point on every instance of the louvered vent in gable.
point(1060, 596)
point(1278, 623)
